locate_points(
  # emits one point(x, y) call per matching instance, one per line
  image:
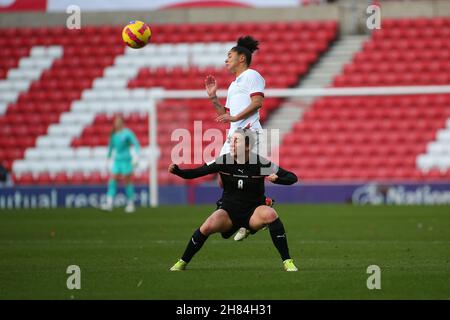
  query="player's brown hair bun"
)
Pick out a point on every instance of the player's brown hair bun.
point(249, 43)
point(246, 45)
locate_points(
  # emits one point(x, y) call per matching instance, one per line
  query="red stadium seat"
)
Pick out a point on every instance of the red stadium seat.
point(61, 178)
point(44, 178)
point(77, 178)
point(24, 179)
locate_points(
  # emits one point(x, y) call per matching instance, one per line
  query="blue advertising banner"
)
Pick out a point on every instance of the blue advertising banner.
point(356, 193)
point(360, 194)
point(299, 193)
point(402, 194)
point(81, 196)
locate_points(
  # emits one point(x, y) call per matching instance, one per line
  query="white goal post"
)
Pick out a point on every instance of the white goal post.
point(158, 94)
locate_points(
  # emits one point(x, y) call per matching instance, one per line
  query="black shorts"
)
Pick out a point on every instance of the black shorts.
point(240, 217)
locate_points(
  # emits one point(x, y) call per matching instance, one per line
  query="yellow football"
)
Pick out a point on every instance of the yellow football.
point(136, 34)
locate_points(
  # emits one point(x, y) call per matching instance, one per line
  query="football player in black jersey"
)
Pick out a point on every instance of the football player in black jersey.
point(243, 200)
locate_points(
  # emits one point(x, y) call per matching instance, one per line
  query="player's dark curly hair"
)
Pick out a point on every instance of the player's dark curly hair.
point(246, 46)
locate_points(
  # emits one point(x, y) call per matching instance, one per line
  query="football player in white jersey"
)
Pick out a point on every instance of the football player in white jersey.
point(244, 99)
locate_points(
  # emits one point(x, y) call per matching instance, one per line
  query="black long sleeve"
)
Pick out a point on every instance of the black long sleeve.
point(285, 177)
point(197, 172)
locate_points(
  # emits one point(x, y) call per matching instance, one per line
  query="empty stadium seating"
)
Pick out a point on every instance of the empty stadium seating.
point(58, 97)
point(381, 138)
point(57, 121)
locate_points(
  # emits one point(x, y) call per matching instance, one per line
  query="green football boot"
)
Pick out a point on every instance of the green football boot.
point(179, 266)
point(289, 265)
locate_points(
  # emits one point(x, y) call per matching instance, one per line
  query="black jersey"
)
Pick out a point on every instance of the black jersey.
point(243, 184)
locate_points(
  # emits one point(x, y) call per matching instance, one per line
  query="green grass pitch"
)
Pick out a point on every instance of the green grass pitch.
point(127, 256)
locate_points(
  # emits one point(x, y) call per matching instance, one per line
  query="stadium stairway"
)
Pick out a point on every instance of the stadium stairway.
point(25, 66)
point(320, 75)
point(330, 65)
point(437, 153)
point(381, 138)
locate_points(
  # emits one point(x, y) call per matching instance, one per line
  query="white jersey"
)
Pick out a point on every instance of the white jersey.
point(240, 92)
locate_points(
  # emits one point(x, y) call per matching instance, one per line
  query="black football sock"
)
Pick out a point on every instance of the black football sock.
point(195, 243)
point(278, 235)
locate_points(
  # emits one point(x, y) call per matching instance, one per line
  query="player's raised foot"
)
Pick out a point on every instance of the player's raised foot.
point(130, 208)
point(179, 266)
point(241, 234)
point(289, 265)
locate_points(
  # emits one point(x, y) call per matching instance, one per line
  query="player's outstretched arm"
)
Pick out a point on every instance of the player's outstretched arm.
point(283, 177)
point(193, 173)
point(211, 90)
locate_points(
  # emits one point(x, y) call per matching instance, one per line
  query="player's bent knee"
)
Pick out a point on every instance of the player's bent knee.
point(210, 226)
point(270, 215)
point(206, 229)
